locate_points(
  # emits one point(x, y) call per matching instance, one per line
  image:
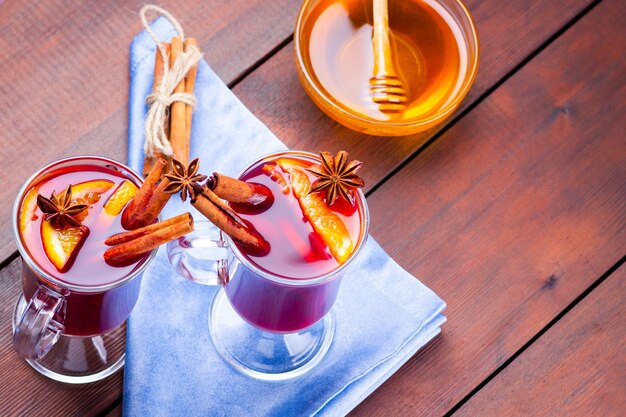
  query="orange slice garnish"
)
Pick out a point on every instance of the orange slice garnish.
point(27, 211)
point(326, 224)
point(124, 193)
point(90, 189)
point(273, 172)
point(88, 192)
point(62, 245)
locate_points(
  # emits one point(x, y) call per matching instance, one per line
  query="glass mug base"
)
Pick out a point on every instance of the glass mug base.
point(79, 360)
point(264, 355)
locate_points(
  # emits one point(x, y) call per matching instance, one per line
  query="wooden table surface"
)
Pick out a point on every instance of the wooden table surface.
point(513, 210)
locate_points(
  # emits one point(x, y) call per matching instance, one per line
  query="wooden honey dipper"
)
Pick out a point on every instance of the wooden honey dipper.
point(385, 85)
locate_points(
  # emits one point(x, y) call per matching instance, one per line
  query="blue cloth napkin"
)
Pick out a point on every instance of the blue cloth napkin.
point(383, 314)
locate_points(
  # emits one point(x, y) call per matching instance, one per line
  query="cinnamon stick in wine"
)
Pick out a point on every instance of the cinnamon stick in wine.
point(159, 69)
point(131, 250)
point(146, 230)
point(228, 221)
point(134, 216)
point(158, 200)
point(240, 192)
point(178, 118)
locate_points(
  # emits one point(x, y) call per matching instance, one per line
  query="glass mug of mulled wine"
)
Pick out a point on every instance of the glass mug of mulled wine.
point(270, 317)
point(69, 324)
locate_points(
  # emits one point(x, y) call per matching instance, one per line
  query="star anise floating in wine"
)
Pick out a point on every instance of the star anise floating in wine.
point(59, 210)
point(337, 176)
point(185, 180)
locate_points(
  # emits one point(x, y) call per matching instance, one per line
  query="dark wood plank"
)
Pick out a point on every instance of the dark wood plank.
point(508, 30)
point(512, 213)
point(577, 368)
point(116, 412)
point(64, 73)
point(23, 391)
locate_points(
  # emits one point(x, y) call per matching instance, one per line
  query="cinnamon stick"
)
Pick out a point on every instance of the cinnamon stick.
point(146, 230)
point(230, 223)
point(240, 192)
point(190, 83)
point(157, 201)
point(134, 216)
point(178, 121)
point(159, 70)
point(132, 250)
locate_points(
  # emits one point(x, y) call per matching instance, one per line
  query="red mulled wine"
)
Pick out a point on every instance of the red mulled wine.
point(293, 286)
point(73, 254)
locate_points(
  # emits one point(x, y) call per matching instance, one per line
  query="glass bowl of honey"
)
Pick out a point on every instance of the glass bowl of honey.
point(433, 44)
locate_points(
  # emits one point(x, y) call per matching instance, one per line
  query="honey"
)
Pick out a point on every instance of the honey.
point(429, 50)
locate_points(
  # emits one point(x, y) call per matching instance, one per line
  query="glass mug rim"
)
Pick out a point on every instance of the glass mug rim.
point(302, 282)
point(34, 266)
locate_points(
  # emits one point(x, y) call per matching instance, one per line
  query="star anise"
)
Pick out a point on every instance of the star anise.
point(185, 180)
point(59, 210)
point(337, 176)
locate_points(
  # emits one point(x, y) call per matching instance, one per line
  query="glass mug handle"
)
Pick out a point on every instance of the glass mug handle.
point(201, 256)
point(37, 330)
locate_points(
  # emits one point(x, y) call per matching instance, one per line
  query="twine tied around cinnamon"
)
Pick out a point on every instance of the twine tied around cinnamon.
point(163, 95)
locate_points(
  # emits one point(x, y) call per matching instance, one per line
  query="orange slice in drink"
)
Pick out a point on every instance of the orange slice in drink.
point(326, 224)
point(273, 172)
point(124, 193)
point(88, 192)
point(62, 245)
point(27, 211)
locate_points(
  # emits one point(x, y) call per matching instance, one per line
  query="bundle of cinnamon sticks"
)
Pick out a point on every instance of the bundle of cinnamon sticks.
point(142, 211)
point(178, 125)
point(161, 182)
